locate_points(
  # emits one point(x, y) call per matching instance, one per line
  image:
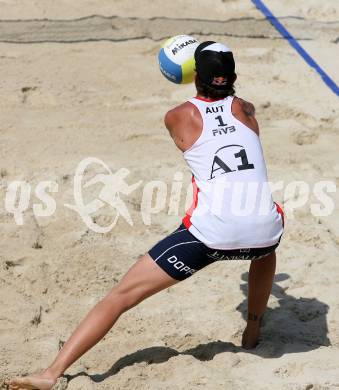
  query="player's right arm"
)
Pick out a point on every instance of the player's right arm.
point(245, 112)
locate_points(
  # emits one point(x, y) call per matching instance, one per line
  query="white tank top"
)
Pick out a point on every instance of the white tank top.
point(232, 203)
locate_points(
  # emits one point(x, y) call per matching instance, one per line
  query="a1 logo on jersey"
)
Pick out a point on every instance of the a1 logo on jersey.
point(229, 158)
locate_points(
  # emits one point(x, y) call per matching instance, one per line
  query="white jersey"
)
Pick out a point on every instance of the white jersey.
point(232, 203)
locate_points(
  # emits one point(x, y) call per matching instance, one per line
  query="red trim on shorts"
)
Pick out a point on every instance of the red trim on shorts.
point(281, 212)
point(187, 219)
point(208, 100)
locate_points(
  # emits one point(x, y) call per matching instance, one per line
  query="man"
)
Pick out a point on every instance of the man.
point(219, 137)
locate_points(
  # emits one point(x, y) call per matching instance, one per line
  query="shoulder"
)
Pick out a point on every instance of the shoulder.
point(244, 111)
point(184, 124)
point(183, 112)
point(244, 106)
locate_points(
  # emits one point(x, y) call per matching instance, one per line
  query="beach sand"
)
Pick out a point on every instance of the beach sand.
point(73, 86)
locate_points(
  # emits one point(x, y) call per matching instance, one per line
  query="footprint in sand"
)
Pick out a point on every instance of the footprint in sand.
point(305, 137)
point(26, 91)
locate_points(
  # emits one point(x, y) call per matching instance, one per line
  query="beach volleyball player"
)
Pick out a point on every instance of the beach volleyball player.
point(219, 137)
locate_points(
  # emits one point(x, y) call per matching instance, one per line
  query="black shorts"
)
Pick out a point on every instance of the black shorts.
point(180, 254)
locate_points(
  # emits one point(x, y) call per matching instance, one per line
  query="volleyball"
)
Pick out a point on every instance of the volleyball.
point(176, 59)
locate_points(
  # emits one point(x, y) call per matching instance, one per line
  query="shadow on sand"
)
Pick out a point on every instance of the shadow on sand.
point(296, 325)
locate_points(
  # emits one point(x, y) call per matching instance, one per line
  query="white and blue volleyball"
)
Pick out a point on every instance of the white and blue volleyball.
point(176, 59)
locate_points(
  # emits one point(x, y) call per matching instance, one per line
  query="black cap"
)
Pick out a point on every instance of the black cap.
point(213, 60)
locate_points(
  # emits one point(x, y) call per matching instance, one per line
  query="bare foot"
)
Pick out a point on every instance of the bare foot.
point(250, 337)
point(43, 381)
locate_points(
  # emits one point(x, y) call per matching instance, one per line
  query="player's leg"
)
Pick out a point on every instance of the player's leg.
point(144, 279)
point(260, 281)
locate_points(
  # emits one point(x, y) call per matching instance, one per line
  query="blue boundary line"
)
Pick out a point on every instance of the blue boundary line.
point(295, 44)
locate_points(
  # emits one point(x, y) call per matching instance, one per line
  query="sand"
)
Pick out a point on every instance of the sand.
point(71, 89)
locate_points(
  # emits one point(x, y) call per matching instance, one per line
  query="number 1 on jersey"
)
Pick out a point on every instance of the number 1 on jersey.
point(221, 122)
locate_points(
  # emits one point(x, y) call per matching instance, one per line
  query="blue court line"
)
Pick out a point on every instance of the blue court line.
point(295, 44)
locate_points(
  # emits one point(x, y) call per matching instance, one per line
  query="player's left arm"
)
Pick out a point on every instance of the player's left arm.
point(172, 123)
point(184, 124)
